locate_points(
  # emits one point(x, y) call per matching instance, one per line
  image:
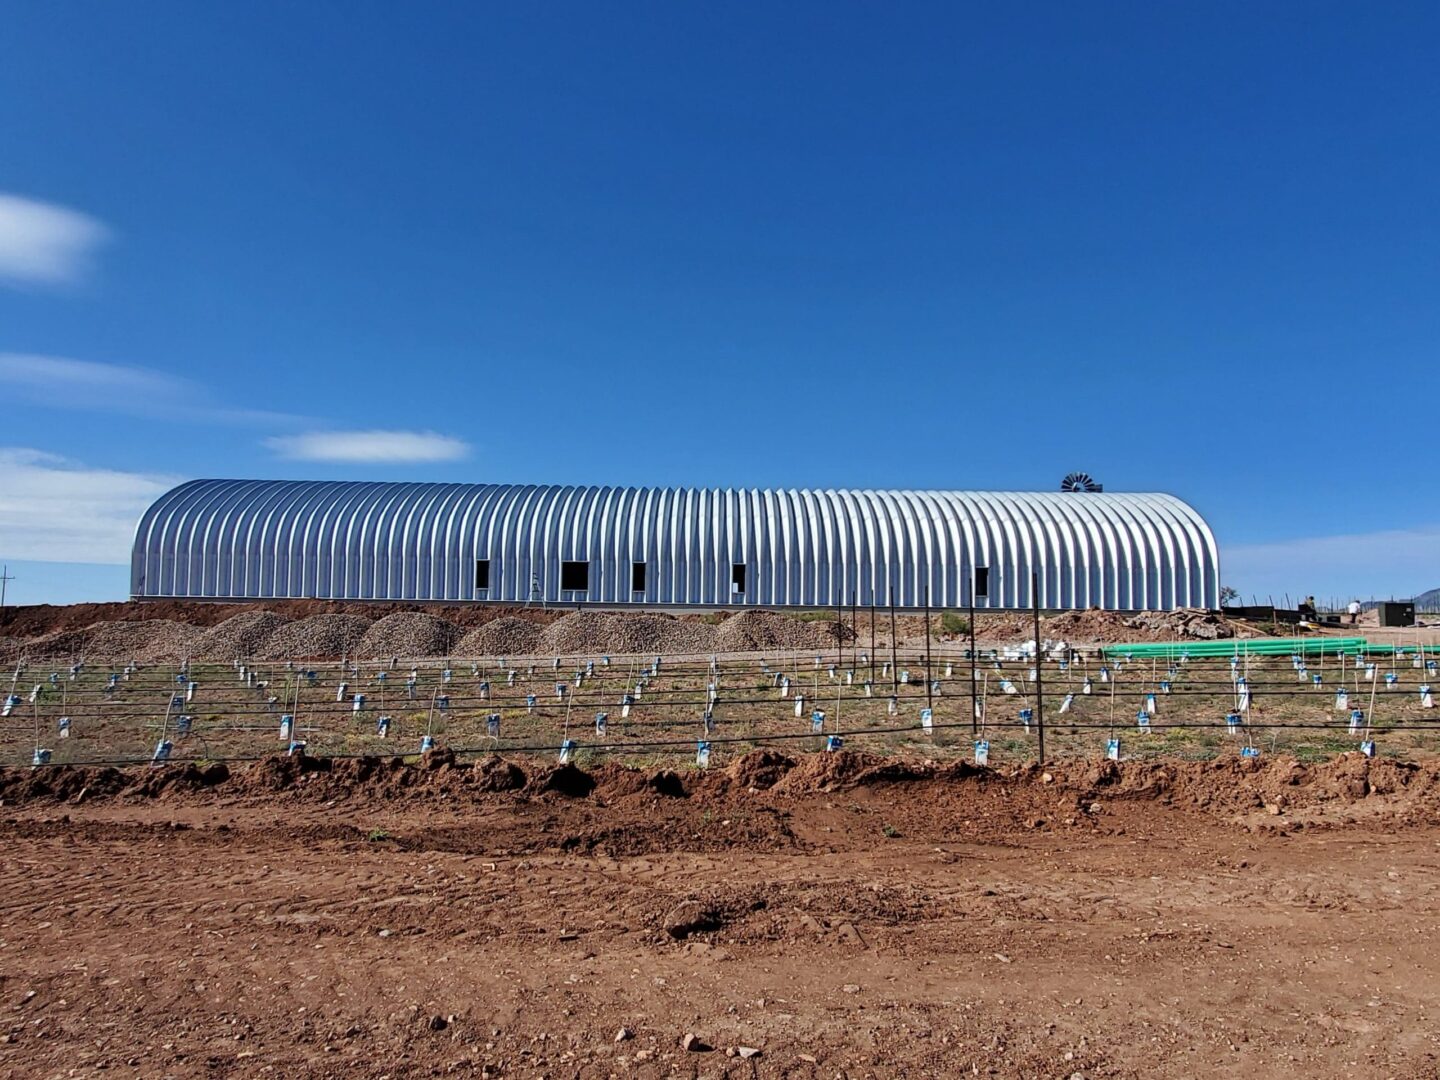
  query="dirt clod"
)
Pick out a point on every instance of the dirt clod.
point(691, 917)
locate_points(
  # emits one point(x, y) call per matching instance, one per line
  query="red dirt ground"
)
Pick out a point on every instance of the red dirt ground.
point(845, 916)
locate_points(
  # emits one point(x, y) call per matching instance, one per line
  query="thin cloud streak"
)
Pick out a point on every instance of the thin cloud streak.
point(45, 244)
point(362, 447)
point(60, 382)
point(63, 382)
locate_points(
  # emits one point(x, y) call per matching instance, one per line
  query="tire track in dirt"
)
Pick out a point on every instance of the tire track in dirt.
point(1145, 940)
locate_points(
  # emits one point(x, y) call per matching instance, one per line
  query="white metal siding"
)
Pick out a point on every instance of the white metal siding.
point(391, 541)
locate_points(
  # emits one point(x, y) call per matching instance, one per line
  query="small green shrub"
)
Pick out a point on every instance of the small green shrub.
point(952, 622)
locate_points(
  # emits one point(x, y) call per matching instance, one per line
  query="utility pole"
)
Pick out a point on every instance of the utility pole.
point(5, 579)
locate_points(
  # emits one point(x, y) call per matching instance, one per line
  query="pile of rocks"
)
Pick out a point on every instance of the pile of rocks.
point(408, 633)
point(148, 641)
point(750, 631)
point(1183, 622)
point(661, 634)
point(239, 637)
point(577, 634)
point(505, 636)
point(319, 636)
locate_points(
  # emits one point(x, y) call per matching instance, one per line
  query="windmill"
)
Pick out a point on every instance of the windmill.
point(1080, 482)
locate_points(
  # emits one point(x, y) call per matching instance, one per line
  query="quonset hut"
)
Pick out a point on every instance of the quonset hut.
point(512, 543)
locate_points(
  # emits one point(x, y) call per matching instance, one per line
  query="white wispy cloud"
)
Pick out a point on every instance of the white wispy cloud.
point(1394, 562)
point(56, 510)
point(66, 383)
point(45, 244)
point(369, 446)
point(60, 382)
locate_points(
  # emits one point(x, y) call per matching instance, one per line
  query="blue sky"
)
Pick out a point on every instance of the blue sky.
point(1183, 248)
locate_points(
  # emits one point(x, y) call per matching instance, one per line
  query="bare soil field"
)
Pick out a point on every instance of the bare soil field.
point(833, 915)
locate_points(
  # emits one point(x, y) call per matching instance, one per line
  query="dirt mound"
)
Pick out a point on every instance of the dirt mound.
point(240, 637)
point(1231, 786)
point(61, 783)
point(825, 772)
point(78, 784)
point(150, 641)
point(319, 636)
point(756, 631)
point(616, 781)
point(190, 777)
point(1183, 622)
point(583, 633)
point(759, 769)
point(1093, 625)
point(407, 634)
point(1227, 788)
point(278, 772)
point(66, 646)
point(567, 780)
point(578, 633)
point(496, 774)
point(506, 636)
point(662, 634)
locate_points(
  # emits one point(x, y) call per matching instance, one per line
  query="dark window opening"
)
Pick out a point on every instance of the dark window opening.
point(982, 581)
point(574, 577)
point(637, 577)
point(737, 578)
point(482, 574)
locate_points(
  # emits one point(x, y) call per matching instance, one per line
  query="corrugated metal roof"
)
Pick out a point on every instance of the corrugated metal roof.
point(359, 540)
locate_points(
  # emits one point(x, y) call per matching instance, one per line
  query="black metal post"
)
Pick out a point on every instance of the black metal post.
point(929, 683)
point(872, 635)
point(854, 628)
point(974, 699)
point(1039, 665)
point(894, 670)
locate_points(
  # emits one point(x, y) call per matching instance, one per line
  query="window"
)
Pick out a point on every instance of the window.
point(637, 577)
point(482, 574)
point(574, 577)
point(982, 581)
point(737, 578)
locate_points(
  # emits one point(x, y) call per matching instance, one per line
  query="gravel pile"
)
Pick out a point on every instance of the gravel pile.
point(660, 634)
point(751, 631)
point(239, 637)
point(506, 636)
point(578, 634)
point(66, 645)
point(319, 636)
point(409, 633)
point(150, 642)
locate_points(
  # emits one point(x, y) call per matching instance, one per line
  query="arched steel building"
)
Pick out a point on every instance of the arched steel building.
point(607, 545)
